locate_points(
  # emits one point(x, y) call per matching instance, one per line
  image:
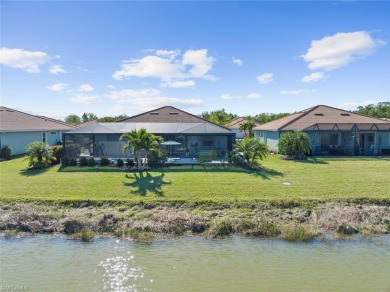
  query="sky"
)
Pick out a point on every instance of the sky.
point(120, 57)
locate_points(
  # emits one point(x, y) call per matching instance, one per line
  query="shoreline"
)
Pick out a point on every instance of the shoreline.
point(146, 221)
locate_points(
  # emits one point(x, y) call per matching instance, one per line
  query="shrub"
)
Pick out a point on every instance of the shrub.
point(65, 161)
point(72, 162)
point(298, 234)
point(56, 153)
point(85, 235)
point(91, 161)
point(39, 154)
point(5, 152)
point(120, 162)
point(221, 228)
point(83, 161)
point(295, 144)
point(130, 162)
point(104, 161)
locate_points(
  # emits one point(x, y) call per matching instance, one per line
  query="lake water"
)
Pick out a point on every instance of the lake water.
point(50, 263)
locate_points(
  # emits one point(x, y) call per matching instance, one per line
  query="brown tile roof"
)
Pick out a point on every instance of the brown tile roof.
point(320, 114)
point(16, 121)
point(236, 123)
point(166, 114)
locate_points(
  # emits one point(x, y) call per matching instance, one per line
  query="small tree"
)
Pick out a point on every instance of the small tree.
point(73, 119)
point(5, 152)
point(247, 127)
point(140, 140)
point(251, 149)
point(39, 154)
point(295, 144)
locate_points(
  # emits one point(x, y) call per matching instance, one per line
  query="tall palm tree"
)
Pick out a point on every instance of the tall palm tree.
point(139, 140)
point(251, 149)
point(220, 118)
point(247, 127)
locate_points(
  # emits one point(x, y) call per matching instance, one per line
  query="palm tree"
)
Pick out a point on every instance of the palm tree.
point(220, 118)
point(247, 126)
point(39, 154)
point(252, 149)
point(139, 140)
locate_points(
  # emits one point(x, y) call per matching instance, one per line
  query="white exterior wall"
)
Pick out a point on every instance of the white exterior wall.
point(270, 138)
point(239, 134)
point(18, 141)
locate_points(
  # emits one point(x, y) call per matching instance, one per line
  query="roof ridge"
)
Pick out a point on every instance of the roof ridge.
point(40, 117)
point(303, 113)
point(166, 106)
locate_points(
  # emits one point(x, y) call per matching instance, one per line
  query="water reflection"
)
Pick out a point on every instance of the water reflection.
point(56, 264)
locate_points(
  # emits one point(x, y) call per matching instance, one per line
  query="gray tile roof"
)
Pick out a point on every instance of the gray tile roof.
point(16, 121)
point(319, 114)
point(155, 128)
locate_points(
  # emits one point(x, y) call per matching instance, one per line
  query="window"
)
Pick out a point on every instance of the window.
point(319, 115)
point(154, 113)
point(208, 142)
point(44, 137)
point(174, 114)
point(53, 133)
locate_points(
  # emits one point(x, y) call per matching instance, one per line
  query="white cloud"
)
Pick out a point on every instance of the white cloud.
point(28, 61)
point(85, 88)
point(201, 63)
point(254, 95)
point(340, 49)
point(85, 99)
point(178, 83)
point(313, 77)
point(169, 67)
point(112, 87)
point(227, 96)
point(265, 78)
point(56, 69)
point(150, 98)
point(298, 91)
point(149, 66)
point(57, 87)
point(238, 62)
point(354, 105)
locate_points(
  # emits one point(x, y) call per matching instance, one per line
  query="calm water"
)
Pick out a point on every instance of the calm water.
point(45, 263)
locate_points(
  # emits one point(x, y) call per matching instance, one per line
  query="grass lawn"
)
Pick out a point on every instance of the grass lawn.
point(315, 179)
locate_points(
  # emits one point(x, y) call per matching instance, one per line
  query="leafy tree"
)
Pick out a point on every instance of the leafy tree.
point(220, 117)
point(88, 117)
point(295, 144)
point(267, 117)
point(247, 127)
point(73, 119)
point(39, 154)
point(252, 149)
point(113, 119)
point(138, 141)
point(381, 110)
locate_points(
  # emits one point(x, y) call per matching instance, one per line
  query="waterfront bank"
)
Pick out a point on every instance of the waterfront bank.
point(213, 220)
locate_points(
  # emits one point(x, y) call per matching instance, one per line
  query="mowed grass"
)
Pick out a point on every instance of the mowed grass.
point(319, 179)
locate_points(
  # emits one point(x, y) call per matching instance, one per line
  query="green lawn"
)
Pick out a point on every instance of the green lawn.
point(314, 179)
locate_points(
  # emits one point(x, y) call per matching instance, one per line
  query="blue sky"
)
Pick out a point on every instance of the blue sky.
point(109, 58)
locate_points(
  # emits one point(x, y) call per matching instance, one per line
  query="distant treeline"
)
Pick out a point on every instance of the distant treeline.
point(221, 117)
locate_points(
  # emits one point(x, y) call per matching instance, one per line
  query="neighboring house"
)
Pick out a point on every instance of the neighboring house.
point(17, 129)
point(332, 131)
point(235, 124)
point(194, 134)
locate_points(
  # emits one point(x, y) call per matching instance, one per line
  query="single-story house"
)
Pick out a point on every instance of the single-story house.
point(235, 124)
point(332, 131)
point(194, 134)
point(17, 129)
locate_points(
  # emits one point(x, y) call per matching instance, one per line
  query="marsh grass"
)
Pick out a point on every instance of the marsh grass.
point(298, 233)
point(8, 233)
point(220, 228)
point(258, 228)
point(85, 234)
point(135, 234)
